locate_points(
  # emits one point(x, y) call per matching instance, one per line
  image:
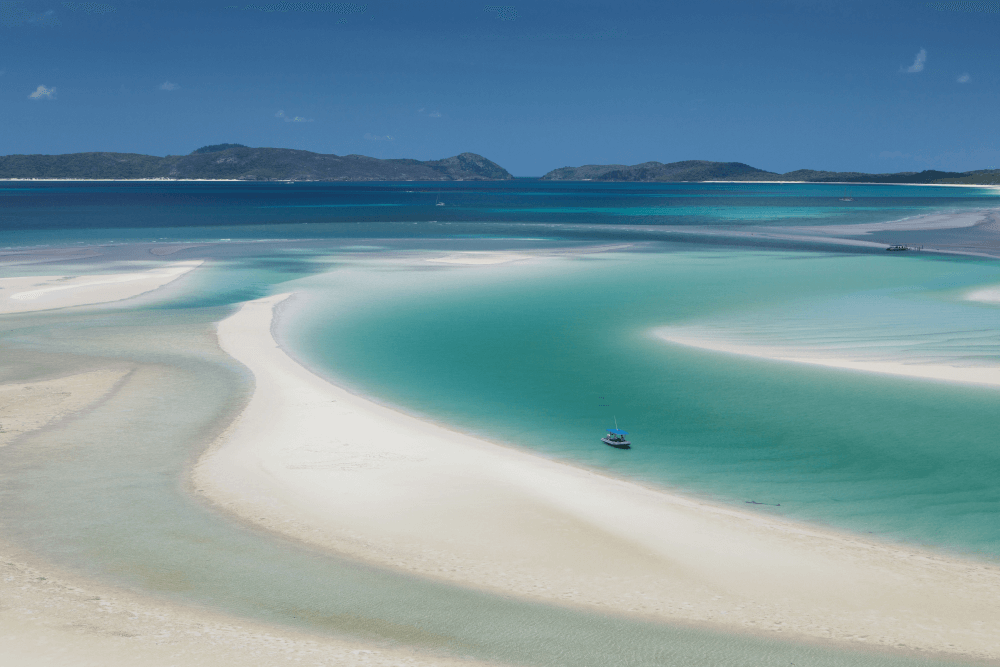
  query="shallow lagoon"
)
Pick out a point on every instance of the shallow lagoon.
point(545, 356)
point(105, 496)
point(552, 350)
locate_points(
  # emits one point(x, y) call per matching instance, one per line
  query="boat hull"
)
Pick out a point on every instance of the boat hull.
point(617, 444)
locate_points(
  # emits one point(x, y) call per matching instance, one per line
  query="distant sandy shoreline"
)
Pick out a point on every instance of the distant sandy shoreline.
point(315, 462)
point(131, 180)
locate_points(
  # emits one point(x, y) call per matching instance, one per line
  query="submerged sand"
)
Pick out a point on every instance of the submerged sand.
point(33, 293)
point(50, 618)
point(978, 375)
point(28, 406)
point(308, 459)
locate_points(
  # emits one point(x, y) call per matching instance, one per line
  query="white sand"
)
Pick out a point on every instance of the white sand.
point(32, 293)
point(309, 459)
point(984, 294)
point(47, 620)
point(22, 257)
point(488, 257)
point(481, 257)
point(928, 222)
point(53, 619)
point(171, 248)
point(27, 406)
point(980, 375)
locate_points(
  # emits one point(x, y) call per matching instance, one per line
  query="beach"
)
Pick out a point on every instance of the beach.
point(974, 375)
point(312, 461)
point(55, 619)
point(53, 616)
point(348, 476)
point(33, 293)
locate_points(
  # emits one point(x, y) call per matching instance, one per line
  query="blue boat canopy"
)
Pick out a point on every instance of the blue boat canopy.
point(617, 431)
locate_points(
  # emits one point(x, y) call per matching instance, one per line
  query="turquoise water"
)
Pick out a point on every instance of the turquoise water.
point(105, 495)
point(56, 213)
point(559, 349)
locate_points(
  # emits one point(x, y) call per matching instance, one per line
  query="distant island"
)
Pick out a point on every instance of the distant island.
point(701, 170)
point(238, 162)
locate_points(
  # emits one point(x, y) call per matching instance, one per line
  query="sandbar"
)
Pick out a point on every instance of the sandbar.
point(926, 222)
point(33, 293)
point(52, 619)
point(978, 375)
point(55, 618)
point(989, 294)
point(27, 406)
point(479, 257)
point(311, 460)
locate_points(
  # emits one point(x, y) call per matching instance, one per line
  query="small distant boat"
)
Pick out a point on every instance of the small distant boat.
point(845, 197)
point(438, 202)
point(616, 438)
point(898, 248)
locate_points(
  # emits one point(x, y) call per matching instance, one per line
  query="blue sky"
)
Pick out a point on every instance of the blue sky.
point(533, 86)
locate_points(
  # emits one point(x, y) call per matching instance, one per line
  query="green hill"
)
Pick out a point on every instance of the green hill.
point(701, 170)
point(689, 170)
point(236, 162)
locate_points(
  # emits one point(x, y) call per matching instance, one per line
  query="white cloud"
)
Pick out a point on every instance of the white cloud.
point(292, 119)
point(167, 85)
point(434, 114)
point(965, 78)
point(43, 93)
point(13, 15)
point(918, 62)
point(90, 7)
point(503, 12)
point(375, 137)
point(45, 18)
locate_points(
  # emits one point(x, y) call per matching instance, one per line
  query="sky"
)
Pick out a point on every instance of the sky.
point(875, 86)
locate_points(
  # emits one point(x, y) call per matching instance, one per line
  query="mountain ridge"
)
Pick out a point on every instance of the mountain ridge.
point(235, 162)
point(243, 163)
point(704, 170)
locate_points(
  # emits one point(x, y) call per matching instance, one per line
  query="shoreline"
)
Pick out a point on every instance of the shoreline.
point(27, 294)
point(87, 622)
point(312, 461)
point(976, 375)
point(52, 614)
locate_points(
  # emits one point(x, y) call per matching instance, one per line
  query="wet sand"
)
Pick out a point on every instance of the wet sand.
point(33, 293)
point(310, 460)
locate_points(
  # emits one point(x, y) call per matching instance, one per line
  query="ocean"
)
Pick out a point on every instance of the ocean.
point(40, 212)
point(544, 356)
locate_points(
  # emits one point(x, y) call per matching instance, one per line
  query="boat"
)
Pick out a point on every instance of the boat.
point(898, 248)
point(616, 438)
point(845, 197)
point(438, 202)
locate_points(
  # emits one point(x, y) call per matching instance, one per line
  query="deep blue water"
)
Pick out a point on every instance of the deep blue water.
point(49, 212)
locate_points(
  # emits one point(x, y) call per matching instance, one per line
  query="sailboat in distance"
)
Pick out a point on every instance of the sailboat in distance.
point(616, 437)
